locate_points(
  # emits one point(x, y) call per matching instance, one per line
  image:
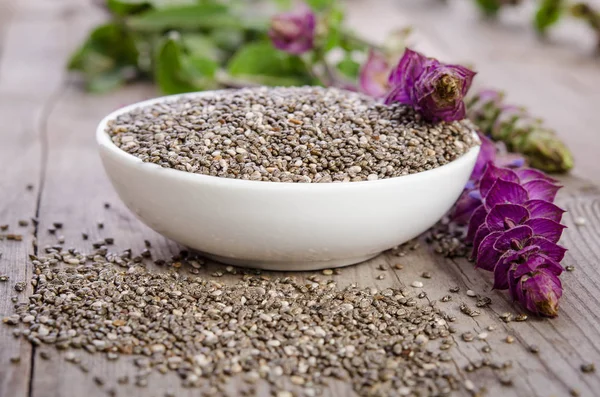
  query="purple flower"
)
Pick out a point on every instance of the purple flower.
point(515, 229)
point(294, 31)
point(433, 88)
point(489, 153)
point(374, 75)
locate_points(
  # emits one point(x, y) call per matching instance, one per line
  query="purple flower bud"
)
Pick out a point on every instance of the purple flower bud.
point(374, 75)
point(540, 292)
point(435, 89)
point(294, 31)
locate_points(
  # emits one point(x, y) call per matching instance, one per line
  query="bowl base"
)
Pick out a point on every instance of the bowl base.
point(290, 265)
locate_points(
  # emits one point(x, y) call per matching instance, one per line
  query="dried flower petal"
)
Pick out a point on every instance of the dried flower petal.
point(507, 261)
point(487, 155)
point(544, 209)
point(374, 75)
point(505, 192)
point(546, 228)
point(514, 228)
point(541, 189)
point(492, 174)
point(505, 216)
point(476, 220)
point(550, 249)
point(466, 205)
point(435, 89)
point(540, 292)
point(514, 239)
point(294, 31)
point(487, 255)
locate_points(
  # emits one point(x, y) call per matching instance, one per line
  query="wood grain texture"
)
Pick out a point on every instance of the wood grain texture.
point(22, 119)
point(46, 131)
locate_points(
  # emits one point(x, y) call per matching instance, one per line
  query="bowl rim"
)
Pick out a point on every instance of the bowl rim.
point(104, 141)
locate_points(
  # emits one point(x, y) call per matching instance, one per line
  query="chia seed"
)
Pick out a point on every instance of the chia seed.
point(258, 326)
point(299, 134)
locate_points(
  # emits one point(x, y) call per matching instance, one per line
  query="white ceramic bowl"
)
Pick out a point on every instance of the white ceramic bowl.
point(281, 226)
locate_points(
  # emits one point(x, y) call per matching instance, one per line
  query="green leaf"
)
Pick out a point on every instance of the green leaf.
point(489, 7)
point(174, 3)
point(262, 63)
point(194, 17)
point(105, 56)
point(108, 46)
point(548, 14)
point(320, 5)
point(348, 67)
point(201, 45)
point(127, 7)
point(334, 20)
point(228, 39)
point(177, 72)
point(284, 4)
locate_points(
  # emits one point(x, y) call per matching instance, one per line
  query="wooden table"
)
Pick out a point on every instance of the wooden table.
point(47, 140)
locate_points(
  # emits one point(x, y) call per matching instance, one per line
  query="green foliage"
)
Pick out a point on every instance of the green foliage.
point(489, 7)
point(334, 20)
point(105, 57)
point(178, 71)
point(127, 7)
point(261, 63)
point(349, 68)
point(548, 14)
point(192, 17)
point(320, 5)
point(202, 45)
point(284, 4)
point(190, 45)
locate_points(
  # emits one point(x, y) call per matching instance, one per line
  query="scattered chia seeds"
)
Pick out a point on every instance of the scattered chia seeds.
point(447, 239)
point(207, 332)
point(521, 317)
point(483, 301)
point(588, 368)
point(299, 134)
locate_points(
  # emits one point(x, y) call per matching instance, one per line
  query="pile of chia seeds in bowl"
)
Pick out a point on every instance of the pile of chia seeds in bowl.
point(299, 134)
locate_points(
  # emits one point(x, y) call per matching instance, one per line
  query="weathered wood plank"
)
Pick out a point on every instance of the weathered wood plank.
point(76, 189)
point(32, 54)
point(19, 153)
